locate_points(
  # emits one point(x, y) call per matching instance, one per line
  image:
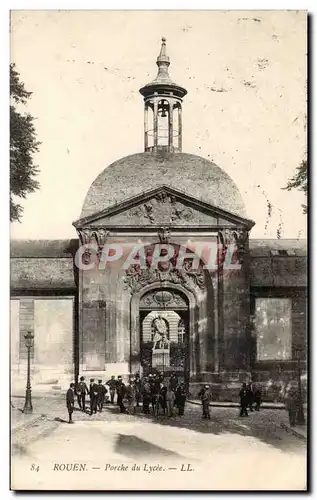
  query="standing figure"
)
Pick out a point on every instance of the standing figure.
point(155, 393)
point(93, 394)
point(82, 390)
point(243, 401)
point(137, 384)
point(146, 395)
point(173, 382)
point(205, 397)
point(130, 395)
point(121, 394)
point(180, 397)
point(170, 401)
point(292, 402)
point(257, 397)
point(70, 402)
point(112, 383)
point(162, 397)
point(102, 391)
point(250, 397)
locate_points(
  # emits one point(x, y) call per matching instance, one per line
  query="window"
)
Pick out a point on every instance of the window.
point(273, 328)
point(181, 332)
point(283, 253)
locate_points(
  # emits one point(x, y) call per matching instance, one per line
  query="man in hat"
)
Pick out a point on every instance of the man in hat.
point(205, 396)
point(146, 395)
point(70, 402)
point(82, 390)
point(250, 396)
point(112, 384)
point(102, 391)
point(93, 394)
point(180, 398)
point(137, 384)
point(130, 396)
point(121, 394)
point(243, 394)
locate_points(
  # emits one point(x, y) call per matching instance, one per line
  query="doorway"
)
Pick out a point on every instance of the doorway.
point(164, 334)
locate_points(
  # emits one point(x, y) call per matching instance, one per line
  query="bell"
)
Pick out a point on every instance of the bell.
point(163, 113)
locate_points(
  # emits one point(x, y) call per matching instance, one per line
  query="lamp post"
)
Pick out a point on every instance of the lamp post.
point(28, 408)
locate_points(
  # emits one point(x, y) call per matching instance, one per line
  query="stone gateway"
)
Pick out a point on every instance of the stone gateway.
point(222, 326)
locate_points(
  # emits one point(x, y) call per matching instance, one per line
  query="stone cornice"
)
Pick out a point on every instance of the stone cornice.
point(163, 191)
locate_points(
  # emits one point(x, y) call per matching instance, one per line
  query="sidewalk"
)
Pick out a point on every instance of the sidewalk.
point(225, 404)
point(42, 406)
point(299, 431)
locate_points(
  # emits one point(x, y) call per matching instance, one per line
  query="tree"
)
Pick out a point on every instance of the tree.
point(23, 145)
point(299, 181)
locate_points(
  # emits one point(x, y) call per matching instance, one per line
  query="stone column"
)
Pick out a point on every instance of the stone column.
point(170, 125)
point(92, 303)
point(180, 128)
point(146, 109)
point(155, 120)
point(235, 306)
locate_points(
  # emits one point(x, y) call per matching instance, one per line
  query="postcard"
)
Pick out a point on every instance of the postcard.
point(158, 279)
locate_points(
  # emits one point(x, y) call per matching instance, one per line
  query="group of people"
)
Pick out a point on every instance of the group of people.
point(97, 396)
point(155, 392)
point(250, 399)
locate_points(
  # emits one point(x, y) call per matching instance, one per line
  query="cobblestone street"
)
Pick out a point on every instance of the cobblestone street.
point(227, 452)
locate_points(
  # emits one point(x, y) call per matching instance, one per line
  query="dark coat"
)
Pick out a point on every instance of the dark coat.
point(112, 383)
point(102, 391)
point(243, 394)
point(82, 388)
point(70, 399)
point(93, 390)
point(180, 396)
point(121, 389)
point(173, 383)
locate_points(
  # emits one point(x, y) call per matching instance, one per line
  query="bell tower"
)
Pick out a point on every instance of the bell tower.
point(163, 109)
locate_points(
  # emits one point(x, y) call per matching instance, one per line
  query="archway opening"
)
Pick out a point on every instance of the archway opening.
point(164, 333)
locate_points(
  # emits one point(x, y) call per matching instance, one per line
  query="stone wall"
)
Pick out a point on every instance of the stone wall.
point(52, 356)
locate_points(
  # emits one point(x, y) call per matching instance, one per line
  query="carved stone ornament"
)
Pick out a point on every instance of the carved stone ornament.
point(227, 237)
point(164, 235)
point(162, 298)
point(235, 237)
point(93, 236)
point(163, 208)
point(137, 278)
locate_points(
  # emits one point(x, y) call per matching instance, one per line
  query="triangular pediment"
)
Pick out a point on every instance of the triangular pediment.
point(163, 206)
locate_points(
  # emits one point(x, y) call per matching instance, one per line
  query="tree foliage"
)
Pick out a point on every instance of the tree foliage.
point(299, 181)
point(23, 145)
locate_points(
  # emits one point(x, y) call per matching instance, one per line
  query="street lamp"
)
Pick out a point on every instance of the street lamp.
point(28, 408)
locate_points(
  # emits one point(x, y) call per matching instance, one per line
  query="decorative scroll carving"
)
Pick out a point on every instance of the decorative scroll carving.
point(137, 278)
point(163, 298)
point(85, 235)
point(90, 236)
point(101, 236)
point(227, 237)
point(98, 236)
point(163, 207)
point(238, 238)
point(242, 243)
point(164, 235)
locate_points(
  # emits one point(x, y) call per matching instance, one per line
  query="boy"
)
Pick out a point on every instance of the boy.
point(70, 402)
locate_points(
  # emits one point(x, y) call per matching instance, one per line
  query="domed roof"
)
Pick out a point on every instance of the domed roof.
point(132, 175)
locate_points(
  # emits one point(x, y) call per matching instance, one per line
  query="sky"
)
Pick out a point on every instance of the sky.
point(245, 73)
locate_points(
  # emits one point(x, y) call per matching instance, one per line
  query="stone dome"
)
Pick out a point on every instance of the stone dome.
point(132, 175)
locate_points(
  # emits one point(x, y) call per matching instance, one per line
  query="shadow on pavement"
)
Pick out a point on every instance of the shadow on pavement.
point(257, 425)
point(134, 447)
